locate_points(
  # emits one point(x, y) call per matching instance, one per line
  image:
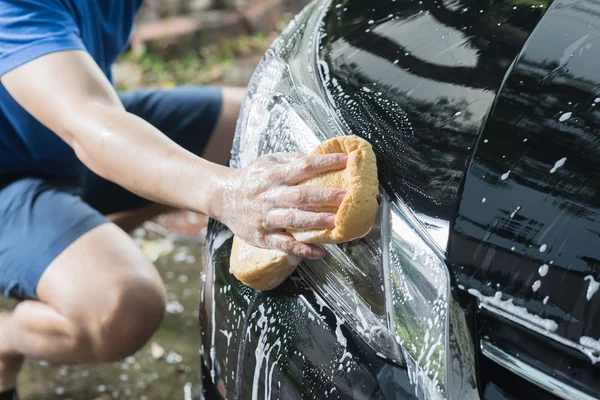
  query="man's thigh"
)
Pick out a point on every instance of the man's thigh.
point(187, 115)
point(38, 221)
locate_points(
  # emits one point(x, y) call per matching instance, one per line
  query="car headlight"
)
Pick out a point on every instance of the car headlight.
point(392, 287)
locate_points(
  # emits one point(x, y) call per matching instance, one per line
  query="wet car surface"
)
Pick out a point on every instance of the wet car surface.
point(480, 277)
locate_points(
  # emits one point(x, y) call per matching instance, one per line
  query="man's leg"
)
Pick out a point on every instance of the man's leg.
point(216, 149)
point(98, 300)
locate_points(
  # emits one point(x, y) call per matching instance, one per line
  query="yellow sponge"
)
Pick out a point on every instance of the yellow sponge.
point(265, 269)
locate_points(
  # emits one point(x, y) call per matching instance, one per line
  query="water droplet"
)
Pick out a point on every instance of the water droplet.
point(485, 141)
point(565, 116)
point(558, 164)
point(458, 113)
point(543, 248)
point(505, 175)
point(483, 200)
point(512, 215)
point(536, 285)
point(546, 299)
point(543, 270)
point(371, 21)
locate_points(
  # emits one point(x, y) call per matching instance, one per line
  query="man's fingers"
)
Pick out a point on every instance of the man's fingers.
point(312, 165)
point(305, 196)
point(286, 158)
point(286, 243)
point(289, 218)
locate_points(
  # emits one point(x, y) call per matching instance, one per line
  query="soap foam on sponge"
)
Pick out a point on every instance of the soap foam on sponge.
point(265, 269)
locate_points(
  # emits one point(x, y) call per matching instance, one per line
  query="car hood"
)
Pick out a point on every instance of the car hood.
point(483, 116)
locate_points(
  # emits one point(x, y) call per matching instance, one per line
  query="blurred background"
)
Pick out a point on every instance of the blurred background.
point(176, 42)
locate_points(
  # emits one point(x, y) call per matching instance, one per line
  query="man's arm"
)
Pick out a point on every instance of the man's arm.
point(67, 92)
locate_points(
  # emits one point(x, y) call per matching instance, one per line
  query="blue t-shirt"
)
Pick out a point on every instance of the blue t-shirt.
point(33, 28)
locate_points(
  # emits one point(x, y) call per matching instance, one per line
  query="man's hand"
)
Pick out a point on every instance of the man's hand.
point(260, 201)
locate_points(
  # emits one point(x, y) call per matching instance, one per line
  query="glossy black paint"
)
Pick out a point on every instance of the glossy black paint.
point(418, 79)
point(549, 357)
point(308, 350)
point(441, 64)
point(538, 210)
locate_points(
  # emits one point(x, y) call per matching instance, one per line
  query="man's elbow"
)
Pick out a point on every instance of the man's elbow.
point(83, 129)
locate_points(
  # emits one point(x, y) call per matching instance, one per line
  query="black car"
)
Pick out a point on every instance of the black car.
point(480, 278)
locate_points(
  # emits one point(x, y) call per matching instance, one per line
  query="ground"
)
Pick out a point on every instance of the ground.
point(168, 367)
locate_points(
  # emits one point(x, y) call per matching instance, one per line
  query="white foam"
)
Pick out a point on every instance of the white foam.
point(512, 215)
point(263, 354)
point(227, 335)
point(338, 332)
point(592, 288)
point(592, 348)
point(514, 312)
point(320, 302)
point(558, 164)
point(221, 238)
point(565, 116)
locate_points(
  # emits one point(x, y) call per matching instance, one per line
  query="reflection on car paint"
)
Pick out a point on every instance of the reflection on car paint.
point(431, 60)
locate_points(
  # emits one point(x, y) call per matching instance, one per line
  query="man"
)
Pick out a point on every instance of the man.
point(74, 155)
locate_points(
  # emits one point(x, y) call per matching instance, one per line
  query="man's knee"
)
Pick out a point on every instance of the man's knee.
point(134, 310)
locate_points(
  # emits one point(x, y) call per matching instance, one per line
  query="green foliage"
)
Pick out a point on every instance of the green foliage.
point(192, 67)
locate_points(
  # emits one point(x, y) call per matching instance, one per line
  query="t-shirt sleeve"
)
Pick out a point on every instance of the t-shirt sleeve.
point(32, 28)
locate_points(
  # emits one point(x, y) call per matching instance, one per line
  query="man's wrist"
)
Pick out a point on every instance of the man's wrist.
point(211, 191)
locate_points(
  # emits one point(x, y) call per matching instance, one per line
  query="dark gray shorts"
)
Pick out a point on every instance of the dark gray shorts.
point(41, 216)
